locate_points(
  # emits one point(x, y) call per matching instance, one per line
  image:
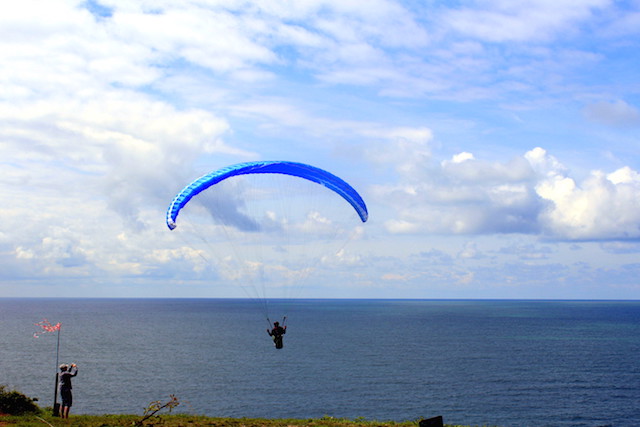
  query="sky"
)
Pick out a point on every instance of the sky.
point(496, 143)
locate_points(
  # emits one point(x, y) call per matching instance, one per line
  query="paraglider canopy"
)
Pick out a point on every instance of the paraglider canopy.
point(301, 170)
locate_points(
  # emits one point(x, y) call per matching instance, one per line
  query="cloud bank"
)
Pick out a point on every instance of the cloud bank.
point(472, 120)
point(531, 194)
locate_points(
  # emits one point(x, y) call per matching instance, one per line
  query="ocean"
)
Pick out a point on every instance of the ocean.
point(475, 362)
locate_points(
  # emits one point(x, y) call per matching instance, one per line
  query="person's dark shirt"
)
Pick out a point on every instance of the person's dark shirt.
point(278, 331)
point(64, 379)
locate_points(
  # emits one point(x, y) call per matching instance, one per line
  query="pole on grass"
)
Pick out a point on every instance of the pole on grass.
point(56, 406)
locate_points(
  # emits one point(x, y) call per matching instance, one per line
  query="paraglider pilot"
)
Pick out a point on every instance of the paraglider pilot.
point(276, 333)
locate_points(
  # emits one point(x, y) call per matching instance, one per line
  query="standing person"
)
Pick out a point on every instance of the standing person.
point(64, 384)
point(276, 333)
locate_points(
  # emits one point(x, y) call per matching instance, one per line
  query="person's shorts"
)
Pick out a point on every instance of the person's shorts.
point(67, 397)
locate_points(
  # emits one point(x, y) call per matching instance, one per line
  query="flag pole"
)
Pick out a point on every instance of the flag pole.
point(56, 407)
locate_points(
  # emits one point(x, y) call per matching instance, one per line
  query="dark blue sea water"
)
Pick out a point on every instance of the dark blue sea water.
point(506, 363)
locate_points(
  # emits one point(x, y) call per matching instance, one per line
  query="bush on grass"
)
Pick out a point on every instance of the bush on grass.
point(15, 403)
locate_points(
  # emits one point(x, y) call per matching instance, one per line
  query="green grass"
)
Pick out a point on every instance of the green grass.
point(180, 420)
point(19, 410)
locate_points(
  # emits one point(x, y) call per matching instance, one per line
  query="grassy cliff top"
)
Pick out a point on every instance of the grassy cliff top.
point(171, 420)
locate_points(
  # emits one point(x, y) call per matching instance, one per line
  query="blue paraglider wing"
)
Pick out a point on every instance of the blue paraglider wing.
point(301, 170)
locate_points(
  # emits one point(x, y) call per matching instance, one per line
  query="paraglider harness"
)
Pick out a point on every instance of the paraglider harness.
point(277, 332)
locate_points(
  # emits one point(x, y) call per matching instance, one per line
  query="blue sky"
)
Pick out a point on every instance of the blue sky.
point(496, 143)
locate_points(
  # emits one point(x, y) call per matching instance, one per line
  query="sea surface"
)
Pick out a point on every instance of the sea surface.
point(476, 362)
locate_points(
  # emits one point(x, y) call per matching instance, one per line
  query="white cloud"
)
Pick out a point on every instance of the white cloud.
point(530, 194)
point(406, 149)
point(464, 197)
point(461, 157)
point(104, 117)
point(124, 137)
point(624, 22)
point(533, 20)
point(601, 207)
point(469, 251)
point(617, 113)
point(231, 44)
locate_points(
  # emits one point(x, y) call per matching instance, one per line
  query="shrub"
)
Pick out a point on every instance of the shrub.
point(15, 403)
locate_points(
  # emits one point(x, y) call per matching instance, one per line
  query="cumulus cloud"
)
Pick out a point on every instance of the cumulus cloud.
point(128, 147)
point(72, 116)
point(463, 195)
point(602, 206)
point(529, 194)
point(85, 152)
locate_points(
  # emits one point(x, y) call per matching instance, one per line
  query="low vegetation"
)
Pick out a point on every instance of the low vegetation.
point(13, 402)
point(180, 420)
point(18, 410)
